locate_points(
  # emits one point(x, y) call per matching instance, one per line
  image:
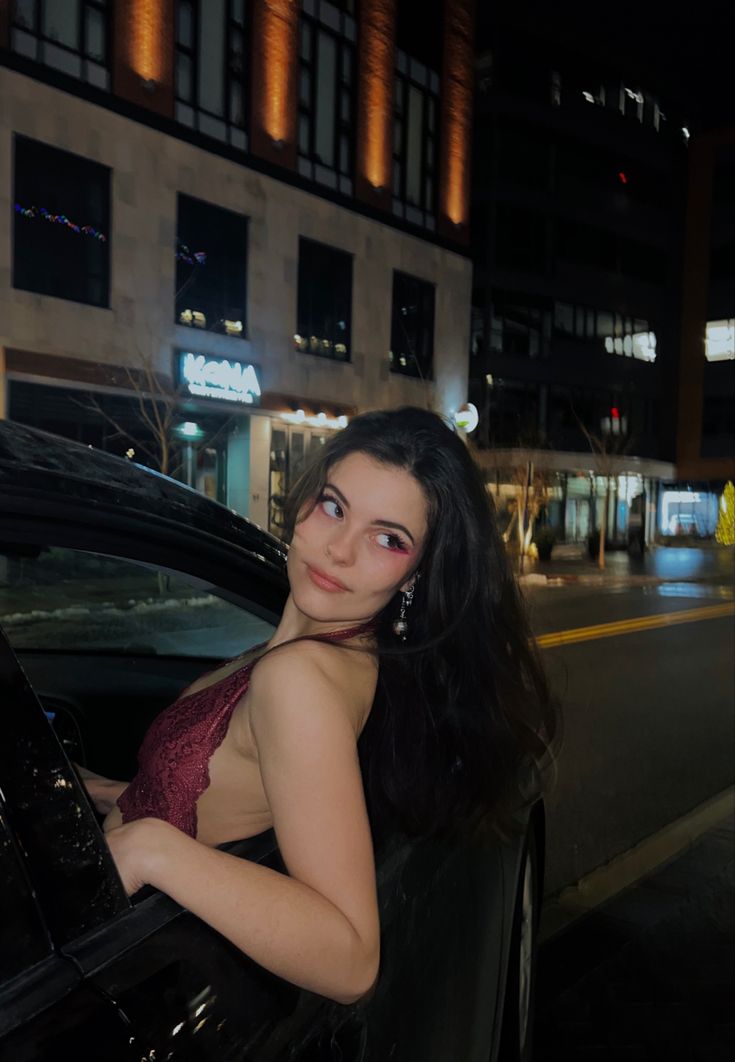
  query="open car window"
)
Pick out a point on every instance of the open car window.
point(57, 598)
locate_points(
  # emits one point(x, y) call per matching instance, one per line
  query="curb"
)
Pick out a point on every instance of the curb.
point(624, 870)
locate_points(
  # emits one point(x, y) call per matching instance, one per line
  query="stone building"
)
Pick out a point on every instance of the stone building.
point(257, 209)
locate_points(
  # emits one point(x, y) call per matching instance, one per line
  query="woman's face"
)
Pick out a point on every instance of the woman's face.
point(360, 543)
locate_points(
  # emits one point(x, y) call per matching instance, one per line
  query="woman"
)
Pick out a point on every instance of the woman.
point(422, 727)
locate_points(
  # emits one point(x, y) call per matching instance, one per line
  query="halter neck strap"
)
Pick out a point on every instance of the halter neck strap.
point(350, 632)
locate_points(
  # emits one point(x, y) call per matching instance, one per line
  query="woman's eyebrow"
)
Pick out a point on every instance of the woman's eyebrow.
point(380, 523)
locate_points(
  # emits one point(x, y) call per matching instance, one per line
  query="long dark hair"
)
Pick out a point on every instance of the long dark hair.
point(464, 703)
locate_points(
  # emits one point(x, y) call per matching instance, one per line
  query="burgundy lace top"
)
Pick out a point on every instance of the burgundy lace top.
point(174, 758)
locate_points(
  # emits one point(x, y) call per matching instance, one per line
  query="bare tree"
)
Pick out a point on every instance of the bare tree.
point(521, 467)
point(157, 402)
point(607, 447)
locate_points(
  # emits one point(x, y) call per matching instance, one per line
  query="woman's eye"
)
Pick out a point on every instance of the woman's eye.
point(392, 542)
point(330, 506)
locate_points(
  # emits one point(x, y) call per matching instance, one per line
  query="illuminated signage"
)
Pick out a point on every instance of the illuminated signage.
point(208, 376)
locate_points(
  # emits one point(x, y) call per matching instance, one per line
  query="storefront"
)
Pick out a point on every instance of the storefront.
point(573, 498)
point(210, 425)
point(687, 512)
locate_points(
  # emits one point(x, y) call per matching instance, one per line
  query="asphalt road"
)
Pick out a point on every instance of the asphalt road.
point(649, 727)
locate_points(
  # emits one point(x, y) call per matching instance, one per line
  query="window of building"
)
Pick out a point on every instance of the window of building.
point(621, 334)
point(71, 36)
point(720, 340)
point(62, 224)
point(518, 325)
point(211, 68)
point(522, 153)
point(587, 245)
point(412, 326)
point(415, 131)
point(718, 435)
point(520, 239)
point(478, 323)
point(326, 93)
point(513, 412)
point(211, 267)
point(324, 313)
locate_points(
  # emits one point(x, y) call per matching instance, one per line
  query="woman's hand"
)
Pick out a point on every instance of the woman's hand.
point(103, 792)
point(136, 849)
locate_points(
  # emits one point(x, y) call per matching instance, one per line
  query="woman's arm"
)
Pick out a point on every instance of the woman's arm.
point(103, 792)
point(317, 927)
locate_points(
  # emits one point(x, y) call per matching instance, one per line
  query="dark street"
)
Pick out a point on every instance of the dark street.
point(648, 737)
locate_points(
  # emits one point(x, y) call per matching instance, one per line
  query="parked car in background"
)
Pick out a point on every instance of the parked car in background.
point(118, 587)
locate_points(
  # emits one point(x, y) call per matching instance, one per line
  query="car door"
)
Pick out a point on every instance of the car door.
point(105, 977)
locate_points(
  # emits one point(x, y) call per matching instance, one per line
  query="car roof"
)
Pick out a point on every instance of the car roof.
point(38, 466)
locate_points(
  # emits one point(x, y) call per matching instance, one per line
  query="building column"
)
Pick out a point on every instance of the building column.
point(457, 90)
point(376, 74)
point(259, 472)
point(274, 83)
point(143, 53)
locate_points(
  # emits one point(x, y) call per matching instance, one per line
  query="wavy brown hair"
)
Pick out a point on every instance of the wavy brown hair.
point(464, 703)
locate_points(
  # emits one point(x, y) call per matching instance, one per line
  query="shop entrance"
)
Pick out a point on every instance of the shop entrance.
point(291, 448)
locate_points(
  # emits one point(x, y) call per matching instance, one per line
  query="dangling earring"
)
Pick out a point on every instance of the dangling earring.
point(400, 626)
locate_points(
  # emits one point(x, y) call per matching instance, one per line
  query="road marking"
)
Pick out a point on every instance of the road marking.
point(624, 870)
point(631, 626)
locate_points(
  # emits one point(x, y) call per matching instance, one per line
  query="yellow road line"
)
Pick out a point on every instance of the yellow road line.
point(630, 626)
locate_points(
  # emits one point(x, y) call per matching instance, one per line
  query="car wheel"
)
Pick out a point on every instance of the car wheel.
point(516, 1038)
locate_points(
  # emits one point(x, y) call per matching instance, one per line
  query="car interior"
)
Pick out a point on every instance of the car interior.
point(107, 643)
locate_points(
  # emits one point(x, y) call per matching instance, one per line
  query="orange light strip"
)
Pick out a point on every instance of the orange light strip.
point(378, 48)
point(280, 20)
point(146, 39)
point(458, 103)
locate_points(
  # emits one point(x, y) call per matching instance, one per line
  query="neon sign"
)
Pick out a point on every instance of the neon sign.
point(205, 376)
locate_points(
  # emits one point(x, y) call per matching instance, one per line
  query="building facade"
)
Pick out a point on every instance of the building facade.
point(705, 440)
point(577, 231)
point(228, 226)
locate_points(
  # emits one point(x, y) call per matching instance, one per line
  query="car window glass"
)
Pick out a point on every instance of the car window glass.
point(54, 598)
point(23, 937)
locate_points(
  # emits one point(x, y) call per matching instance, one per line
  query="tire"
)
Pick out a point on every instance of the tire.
point(516, 1036)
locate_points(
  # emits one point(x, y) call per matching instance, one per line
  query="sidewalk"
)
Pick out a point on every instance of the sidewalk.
point(571, 564)
point(649, 976)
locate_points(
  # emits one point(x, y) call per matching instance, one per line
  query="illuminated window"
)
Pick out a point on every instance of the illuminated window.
point(211, 267)
point(415, 128)
point(412, 326)
point(211, 68)
point(324, 301)
point(518, 325)
point(720, 340)
point(620, 334)
point(326, 93)
point(62, 224)
point(71, 36)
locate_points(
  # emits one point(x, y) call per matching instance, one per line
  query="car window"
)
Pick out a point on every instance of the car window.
point(55, 598)
point(23, 937)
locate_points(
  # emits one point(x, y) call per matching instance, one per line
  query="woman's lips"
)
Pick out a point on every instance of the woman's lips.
point(325, 582)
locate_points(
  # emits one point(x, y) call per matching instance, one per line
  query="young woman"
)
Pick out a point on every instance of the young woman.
point(400, 691)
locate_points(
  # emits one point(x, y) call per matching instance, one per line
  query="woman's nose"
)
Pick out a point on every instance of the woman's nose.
point(341, 548)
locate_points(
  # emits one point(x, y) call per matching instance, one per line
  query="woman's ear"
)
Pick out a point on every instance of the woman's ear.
point(410, 582)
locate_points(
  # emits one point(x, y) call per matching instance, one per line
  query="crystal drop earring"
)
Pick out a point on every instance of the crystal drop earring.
point(400, 626)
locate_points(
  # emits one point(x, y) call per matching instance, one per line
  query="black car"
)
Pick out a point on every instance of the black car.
point(118, 587)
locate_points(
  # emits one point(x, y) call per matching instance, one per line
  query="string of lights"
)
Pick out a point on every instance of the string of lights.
point(34, 212)
point(191, 257)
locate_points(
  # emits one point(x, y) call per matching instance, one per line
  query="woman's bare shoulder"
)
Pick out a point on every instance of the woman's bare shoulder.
point(318, 672)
